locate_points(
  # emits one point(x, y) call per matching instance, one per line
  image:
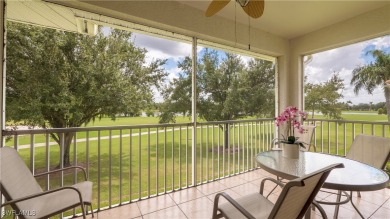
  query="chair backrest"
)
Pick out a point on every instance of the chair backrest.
point(15, 178)
point(306, 136)
point(372, 150)
point(298, 194)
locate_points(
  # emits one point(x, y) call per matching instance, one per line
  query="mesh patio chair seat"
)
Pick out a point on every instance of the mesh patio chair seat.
point(371, 150)
point(295, 199)
point(307, 136)
point(24, 194)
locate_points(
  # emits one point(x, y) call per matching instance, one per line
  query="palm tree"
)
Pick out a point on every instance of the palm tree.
point(375, 74)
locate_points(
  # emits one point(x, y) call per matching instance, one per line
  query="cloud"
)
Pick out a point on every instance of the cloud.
point(160, 48)
point(343, 60)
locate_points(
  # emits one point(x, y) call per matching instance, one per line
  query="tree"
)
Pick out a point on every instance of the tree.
point(226, 89)
point(324, 97)
point(374, 75)
point(57, 79)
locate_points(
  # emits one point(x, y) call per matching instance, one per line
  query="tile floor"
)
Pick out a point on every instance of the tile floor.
point(197, 202)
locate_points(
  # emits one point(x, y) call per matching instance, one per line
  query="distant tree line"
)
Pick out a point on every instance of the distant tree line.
point(366, 106)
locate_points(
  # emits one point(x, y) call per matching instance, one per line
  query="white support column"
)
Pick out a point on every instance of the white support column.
point(194, 113)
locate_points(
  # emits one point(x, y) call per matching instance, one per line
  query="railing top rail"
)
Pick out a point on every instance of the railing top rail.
point(236, 121)
point(348, 121)
point(122, 127)
point(83, 129)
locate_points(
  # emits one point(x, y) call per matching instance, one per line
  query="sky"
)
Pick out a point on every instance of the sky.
point(342, 60)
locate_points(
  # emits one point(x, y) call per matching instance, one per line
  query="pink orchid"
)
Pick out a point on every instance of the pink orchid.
point(292, 117)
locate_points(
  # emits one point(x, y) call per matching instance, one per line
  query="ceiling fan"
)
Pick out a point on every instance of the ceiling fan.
point(254, 8)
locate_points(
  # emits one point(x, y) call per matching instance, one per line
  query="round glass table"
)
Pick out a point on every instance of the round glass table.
point(355, 176)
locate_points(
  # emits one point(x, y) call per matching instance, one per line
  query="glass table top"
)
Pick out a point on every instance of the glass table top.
point(355, 176)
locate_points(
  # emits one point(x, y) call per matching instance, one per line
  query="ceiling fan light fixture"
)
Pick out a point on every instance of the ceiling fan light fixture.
point(243, 3)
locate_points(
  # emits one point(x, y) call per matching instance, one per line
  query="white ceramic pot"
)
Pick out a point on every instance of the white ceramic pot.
point(290, 151)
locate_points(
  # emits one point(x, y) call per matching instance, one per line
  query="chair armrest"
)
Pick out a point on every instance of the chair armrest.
point(66, 168)
point(270, 179)
point(233, 202)
point(42, 194)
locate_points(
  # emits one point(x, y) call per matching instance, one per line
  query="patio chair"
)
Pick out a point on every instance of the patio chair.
point(26, 197)
point(294, 200)
point(371, 150)
point(307, 136)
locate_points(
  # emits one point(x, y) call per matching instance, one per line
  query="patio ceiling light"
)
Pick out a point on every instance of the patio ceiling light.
point(86, 27)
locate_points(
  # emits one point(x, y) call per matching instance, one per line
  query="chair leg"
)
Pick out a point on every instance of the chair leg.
point(83, 210)
point(91, 210)
point(359, 195)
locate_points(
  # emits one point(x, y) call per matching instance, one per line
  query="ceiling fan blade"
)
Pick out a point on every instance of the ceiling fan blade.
point(215, 6)
point(254, 8)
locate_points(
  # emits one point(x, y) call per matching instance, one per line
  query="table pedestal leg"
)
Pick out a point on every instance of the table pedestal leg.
point(354, 206)
point(337, 207)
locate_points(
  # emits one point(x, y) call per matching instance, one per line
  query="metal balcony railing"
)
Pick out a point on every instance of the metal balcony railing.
point(336, 136)
point(129, 163)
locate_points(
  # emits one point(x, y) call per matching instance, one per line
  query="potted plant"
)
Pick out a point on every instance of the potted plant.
point(292, 119)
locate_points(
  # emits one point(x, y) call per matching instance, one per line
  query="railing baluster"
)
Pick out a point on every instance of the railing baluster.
point(229, 152)
point(187, 167)
point(213, 151)
point(201, 153)
point(87, 153)
point(139, 165)
point(322, 137)
point(238, 145)
point(234, 148)
point(337, 137)
point(157, 175)
point(120, 165)
point(110, 169)
point(383, 131)
point(32, 153)
point(148, 162)
point(180, 136)
point(207, 153)
point(47, 144)
point(130, 162)
point(173, 159)
point(74, 163)
point(165, 159)
point(247, 146)
point(98, 180)
point(219, 147)
point(252, 146)
point(263, 134)
point(224, 139)
point(345, 139)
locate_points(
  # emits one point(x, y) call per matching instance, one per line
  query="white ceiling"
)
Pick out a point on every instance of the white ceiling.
point(294, 18)
point(286, 18)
